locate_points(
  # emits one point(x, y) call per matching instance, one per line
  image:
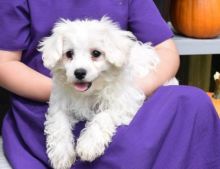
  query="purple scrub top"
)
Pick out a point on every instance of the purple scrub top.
point(177, 128)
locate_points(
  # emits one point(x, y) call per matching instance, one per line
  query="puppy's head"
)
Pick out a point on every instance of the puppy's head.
point(86, 52)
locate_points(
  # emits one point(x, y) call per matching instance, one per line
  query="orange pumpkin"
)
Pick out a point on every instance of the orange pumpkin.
point(196, 18)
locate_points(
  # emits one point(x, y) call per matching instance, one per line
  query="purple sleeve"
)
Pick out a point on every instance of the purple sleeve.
point(146, 22)
point(14, 25)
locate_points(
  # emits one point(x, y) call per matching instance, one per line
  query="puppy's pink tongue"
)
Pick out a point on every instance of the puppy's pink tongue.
point(81, 87)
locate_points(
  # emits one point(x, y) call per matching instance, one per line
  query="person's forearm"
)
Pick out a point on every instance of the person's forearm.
point(167, 68)
point(24, 81)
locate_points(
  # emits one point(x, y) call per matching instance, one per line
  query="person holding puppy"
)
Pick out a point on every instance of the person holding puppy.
point(177, 127)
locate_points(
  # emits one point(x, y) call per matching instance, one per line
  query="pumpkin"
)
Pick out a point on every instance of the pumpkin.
point(216, 102)
point(196, 18)
point(217, 85)
point(215, 97)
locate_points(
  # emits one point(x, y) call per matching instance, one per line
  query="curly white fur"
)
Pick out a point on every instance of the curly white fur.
point(113, 98)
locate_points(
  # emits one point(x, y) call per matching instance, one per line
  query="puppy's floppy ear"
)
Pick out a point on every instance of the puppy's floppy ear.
point(117, 43)
point(51, 48)
point(119, 46)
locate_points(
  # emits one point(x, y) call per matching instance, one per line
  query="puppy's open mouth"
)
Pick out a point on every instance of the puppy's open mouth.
point(82, 86)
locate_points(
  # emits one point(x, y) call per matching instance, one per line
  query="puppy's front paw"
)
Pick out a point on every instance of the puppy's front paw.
point(62, 157)
point(89, 148)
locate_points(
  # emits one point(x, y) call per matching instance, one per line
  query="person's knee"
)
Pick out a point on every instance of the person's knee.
point(194, 100)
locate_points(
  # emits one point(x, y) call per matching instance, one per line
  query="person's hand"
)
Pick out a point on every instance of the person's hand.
point(166, 69)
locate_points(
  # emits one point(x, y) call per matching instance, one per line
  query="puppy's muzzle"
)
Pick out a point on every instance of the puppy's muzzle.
point(80, 73)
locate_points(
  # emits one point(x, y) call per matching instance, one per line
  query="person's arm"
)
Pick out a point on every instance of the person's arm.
point(22, 80)
point(167, 68)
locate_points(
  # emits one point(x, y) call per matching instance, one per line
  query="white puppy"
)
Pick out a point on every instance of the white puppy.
point(94, 66)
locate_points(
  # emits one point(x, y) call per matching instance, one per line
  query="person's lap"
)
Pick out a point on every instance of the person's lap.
point(177, 127)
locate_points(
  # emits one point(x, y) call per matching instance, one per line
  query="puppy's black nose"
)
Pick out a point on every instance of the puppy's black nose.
point(80, 73)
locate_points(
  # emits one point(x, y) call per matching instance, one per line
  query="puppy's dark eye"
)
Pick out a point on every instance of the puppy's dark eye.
point(96, 53)
point(69, 54)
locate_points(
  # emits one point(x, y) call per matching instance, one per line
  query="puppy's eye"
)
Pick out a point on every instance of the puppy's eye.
point(96, 53)
point(69, 54)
